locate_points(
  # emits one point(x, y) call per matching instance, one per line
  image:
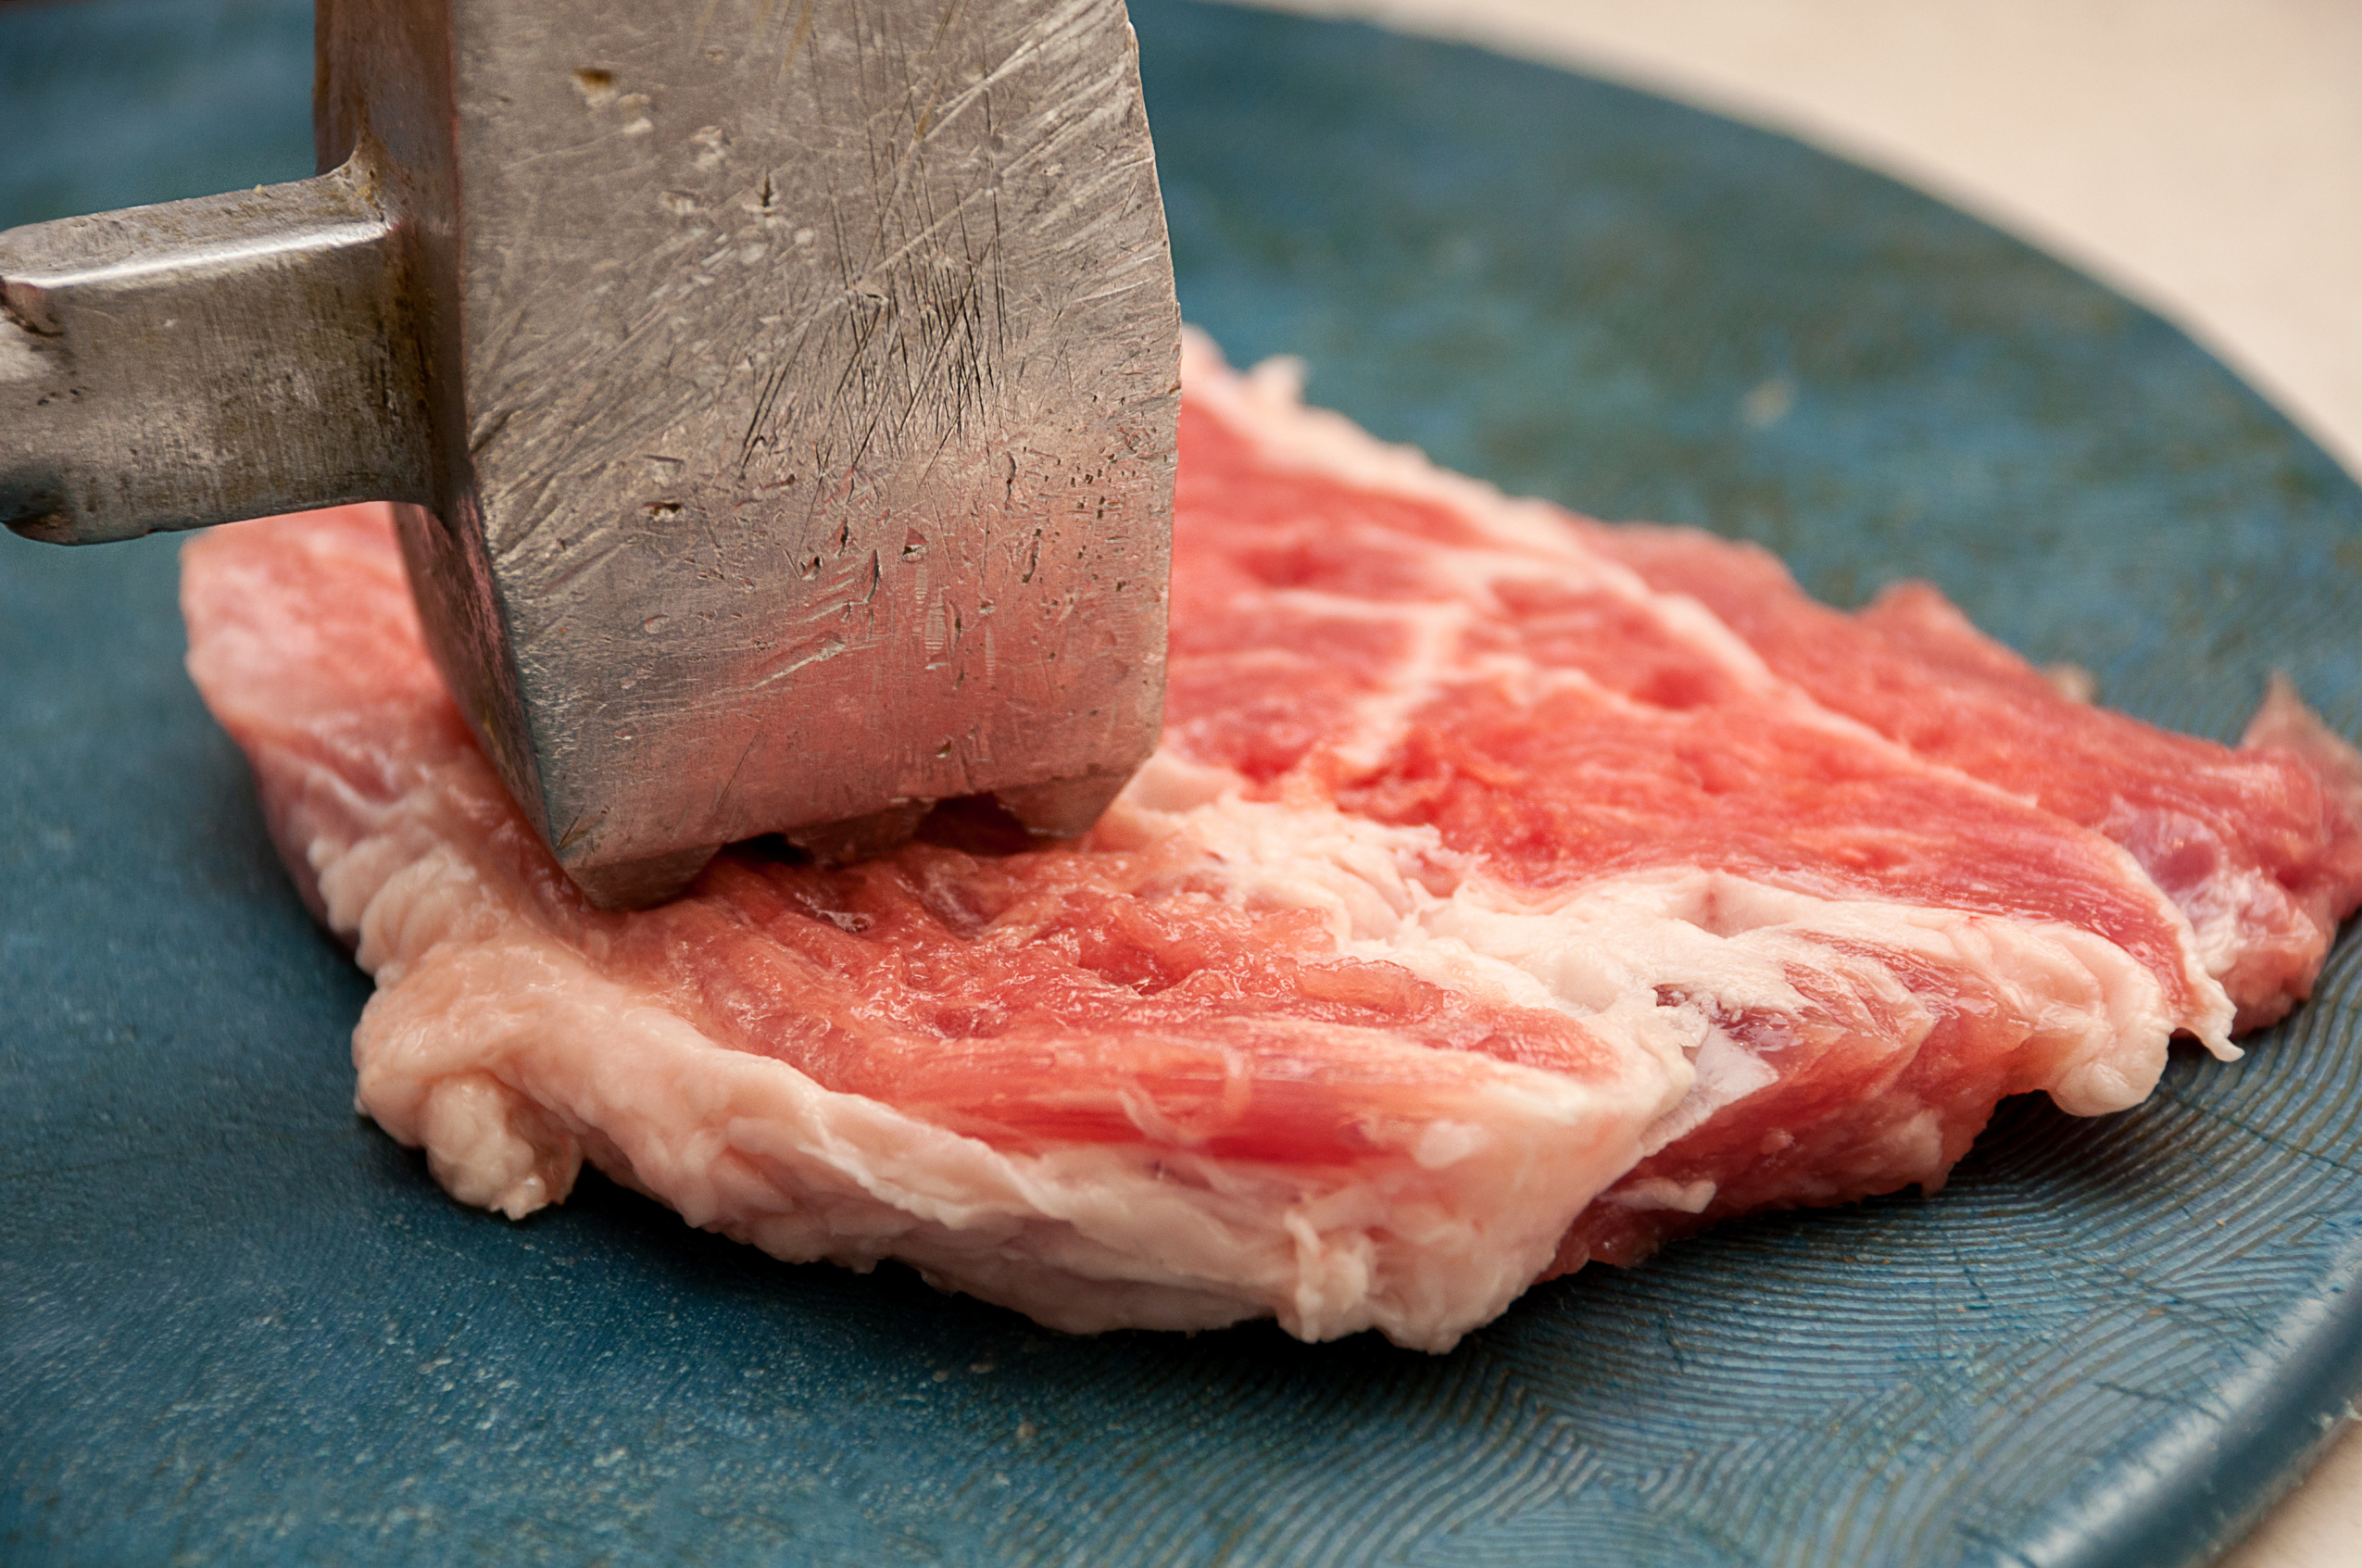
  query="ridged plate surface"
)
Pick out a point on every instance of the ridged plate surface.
point(237, 1323)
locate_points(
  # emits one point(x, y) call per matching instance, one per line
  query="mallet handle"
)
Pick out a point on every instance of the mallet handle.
point(201, 361)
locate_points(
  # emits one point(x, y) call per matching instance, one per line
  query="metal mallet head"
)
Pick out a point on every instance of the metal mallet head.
point(779, 397)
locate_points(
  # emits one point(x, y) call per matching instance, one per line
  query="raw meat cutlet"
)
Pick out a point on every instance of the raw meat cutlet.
point(1485, 911)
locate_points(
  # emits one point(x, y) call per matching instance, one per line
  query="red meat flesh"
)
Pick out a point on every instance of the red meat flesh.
point(2259, 846)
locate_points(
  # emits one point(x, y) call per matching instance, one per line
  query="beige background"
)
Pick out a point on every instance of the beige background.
point(2204, 157)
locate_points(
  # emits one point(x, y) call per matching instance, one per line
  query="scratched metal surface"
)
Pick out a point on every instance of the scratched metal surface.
point(842, 479)
point(237, 1325)
point(780, 409)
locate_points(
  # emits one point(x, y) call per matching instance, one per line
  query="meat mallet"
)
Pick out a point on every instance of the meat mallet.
point(777, 398)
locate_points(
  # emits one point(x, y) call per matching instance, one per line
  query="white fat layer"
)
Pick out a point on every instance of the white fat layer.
point(2227, 908)
point(1660, 1192)
point(2225, 913)
point(1529, 539)
point(1727, 944)
point(504, 1053)
point(1524, 541)
point(1654, 960)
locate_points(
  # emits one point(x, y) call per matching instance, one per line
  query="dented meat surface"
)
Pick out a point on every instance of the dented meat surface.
point(1509, 892)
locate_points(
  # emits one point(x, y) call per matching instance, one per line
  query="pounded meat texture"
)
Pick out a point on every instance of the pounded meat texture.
point(1491, 905)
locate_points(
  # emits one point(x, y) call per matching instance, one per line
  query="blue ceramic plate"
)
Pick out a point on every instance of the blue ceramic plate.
point(237, 1323)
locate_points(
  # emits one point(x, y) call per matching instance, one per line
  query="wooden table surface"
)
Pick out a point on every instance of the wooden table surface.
point(2203, 157)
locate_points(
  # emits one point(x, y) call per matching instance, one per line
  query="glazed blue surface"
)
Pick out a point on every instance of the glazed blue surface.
point(237, 1323)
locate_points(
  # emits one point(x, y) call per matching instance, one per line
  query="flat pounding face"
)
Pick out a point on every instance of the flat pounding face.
point(812, 446)
point(1491, 906)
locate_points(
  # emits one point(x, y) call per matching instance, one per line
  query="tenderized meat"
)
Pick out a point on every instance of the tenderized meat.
point(1506, 894)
